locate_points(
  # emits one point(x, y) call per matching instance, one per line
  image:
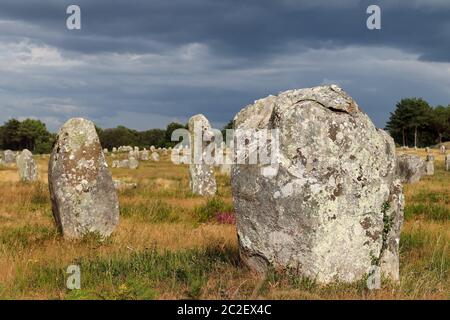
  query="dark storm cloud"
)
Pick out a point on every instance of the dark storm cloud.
point(237, 28)
point(169, 59)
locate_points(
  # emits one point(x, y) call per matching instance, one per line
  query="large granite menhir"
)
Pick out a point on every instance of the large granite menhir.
point(334, 209)
point(84, 199)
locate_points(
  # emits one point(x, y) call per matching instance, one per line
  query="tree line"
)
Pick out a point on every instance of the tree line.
point(33, 135)
point(123, 136)
point(28, 134)
point(414, 123)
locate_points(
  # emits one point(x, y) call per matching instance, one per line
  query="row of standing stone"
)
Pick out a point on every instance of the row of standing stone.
point(134, 155)
point(26, 165)
point(332, 212)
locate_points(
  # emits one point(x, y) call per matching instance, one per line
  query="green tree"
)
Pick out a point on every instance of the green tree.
point(171, 127)
point(34, 134)
point(229, 125)
point(11, 138)
point(440, 122)
point(30, 134)
point(410, 117)
point(120, 136)
point(152, 137)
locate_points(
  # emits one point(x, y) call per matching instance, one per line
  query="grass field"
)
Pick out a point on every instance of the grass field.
point(170, 245)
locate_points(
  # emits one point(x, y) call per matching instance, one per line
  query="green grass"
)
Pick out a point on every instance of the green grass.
point(135, 276)
point(434, 212)
point(431, 197)
point(153, 211)
point(213, 206)
point(196, 258)
point(425, 261)
point(19, 238)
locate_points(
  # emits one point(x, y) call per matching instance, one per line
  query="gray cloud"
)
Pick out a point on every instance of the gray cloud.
point(146, 63)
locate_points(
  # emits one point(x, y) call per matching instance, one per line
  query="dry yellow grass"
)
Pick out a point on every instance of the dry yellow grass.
point(161, 226)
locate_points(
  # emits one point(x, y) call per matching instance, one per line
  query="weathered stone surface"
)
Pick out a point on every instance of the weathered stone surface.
point(429, 165)
point(27, 167)
point(84, 198)
point(334, 209)
point(410, 168)
point(201, 175)
point(133, 163)
point(124, 164)
point(123, 185)
point(442, 149)
point(144, 155)
point(8, 157)
point(392, 225)
point(155, 156)
point(134, 154)
point(447, 162)
point(125, 149)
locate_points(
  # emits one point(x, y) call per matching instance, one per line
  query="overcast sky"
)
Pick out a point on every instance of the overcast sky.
point(145, 63)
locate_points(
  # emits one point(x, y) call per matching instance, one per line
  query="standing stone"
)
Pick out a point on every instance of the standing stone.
point(121, 164)
point(152, 148)
point(105, 151)
point(201, 175)
point(325, 211)
point(9, 157)
point(27, 167)
point(123, 185)
point(429, 165)
point(133, 163)
point(155, 156)
point(114, 150)
point(410, 168)
point(82, 191)
point(144, 155)
point(134, 154)
point(447, 162)
point(442, 149)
